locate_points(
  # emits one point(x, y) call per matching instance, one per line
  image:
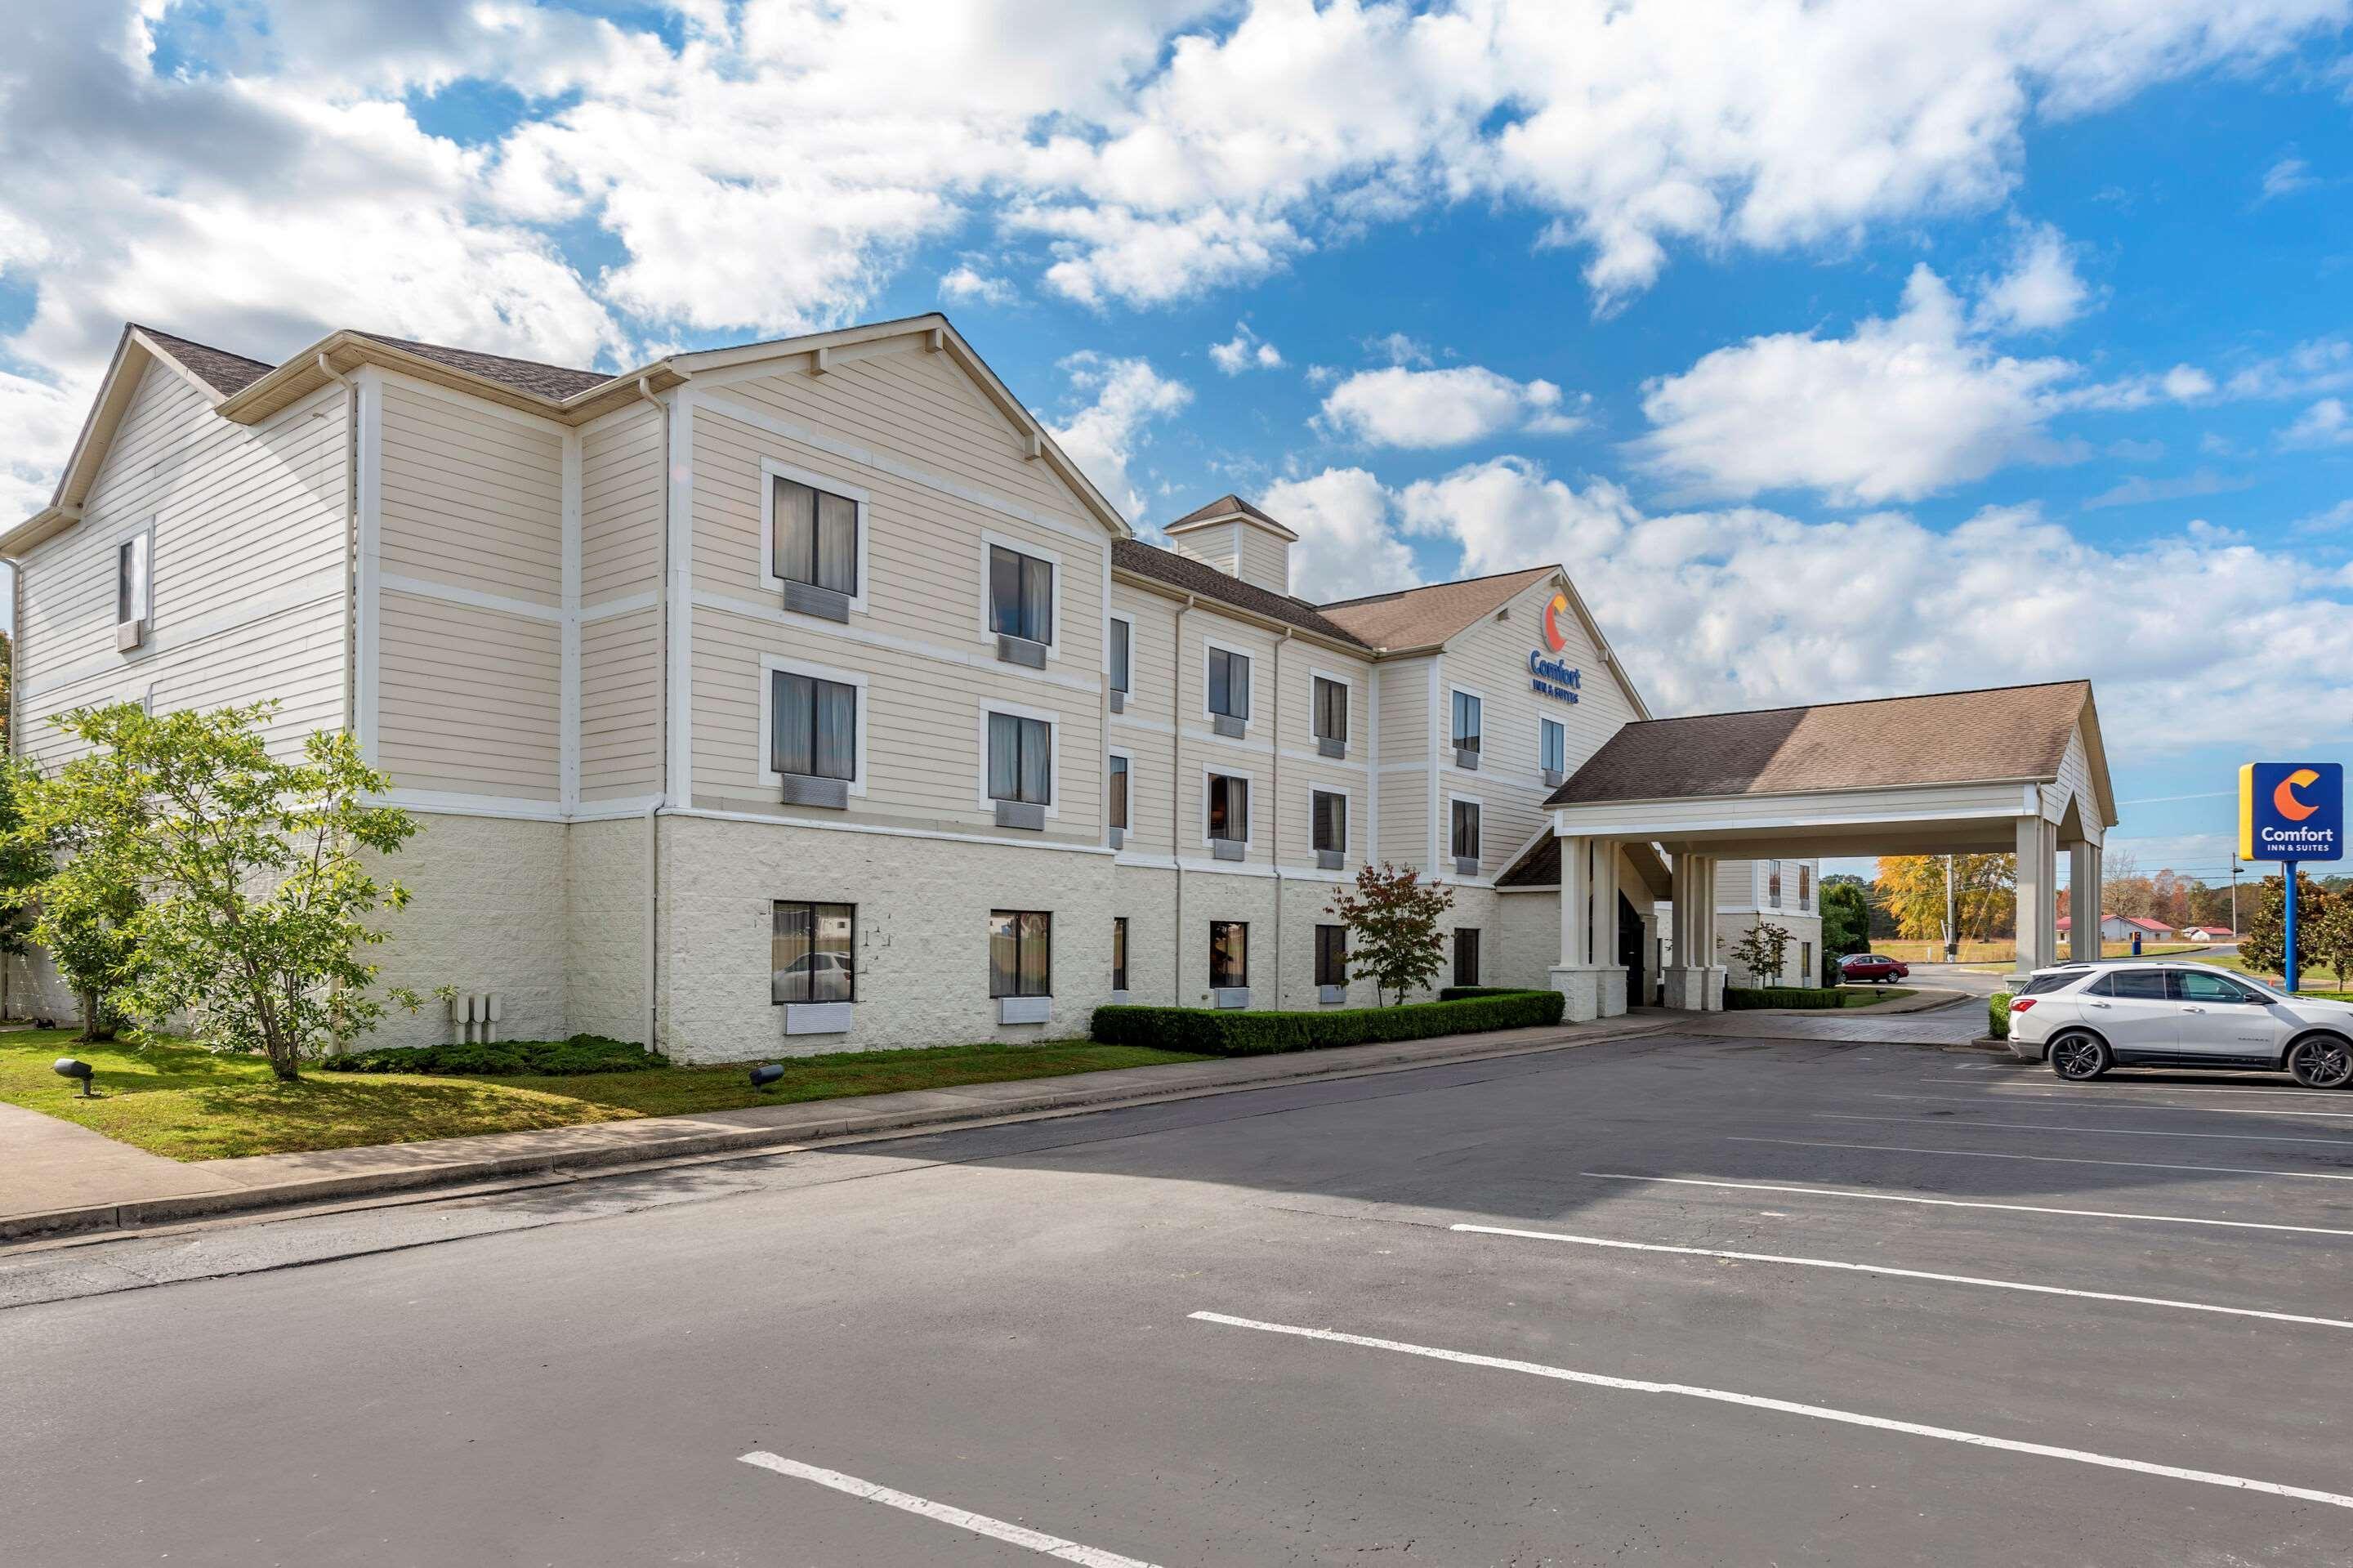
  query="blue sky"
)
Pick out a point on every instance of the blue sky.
point(1835, 353)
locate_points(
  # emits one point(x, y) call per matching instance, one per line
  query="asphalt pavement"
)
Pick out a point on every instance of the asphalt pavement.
point(1721, 1299)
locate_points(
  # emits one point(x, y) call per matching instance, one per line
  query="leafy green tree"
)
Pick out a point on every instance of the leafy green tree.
point(1762, 950)
point(2263, 944)
point(2329, 941)
point(238, 877)
point(1846, 921)
point(1392, 918)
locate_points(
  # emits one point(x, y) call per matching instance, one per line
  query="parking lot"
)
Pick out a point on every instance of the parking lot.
point(1687, 1299)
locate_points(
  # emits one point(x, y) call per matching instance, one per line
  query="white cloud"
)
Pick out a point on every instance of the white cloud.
point(1346, 549)
point(2140, 490)
point(2284, 177)
point(964, 282)
point(1750, 608)
point(1244, 351)
point(1103, 437)
point(2325, 424)
point(41, 420)
point(2040, 291)
point(1898, 409)
point(1402, 408)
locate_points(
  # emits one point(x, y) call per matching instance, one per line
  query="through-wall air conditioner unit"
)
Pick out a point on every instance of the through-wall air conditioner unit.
point(1229, 849)
point(1119, 838)
point(825, 604)
point(800, 789)
point(1228, 725)
point(1325, 745)
point(129, 634)
point(1012, 650)
point(1118, 701)
point(1465, 759)
point(1466, 865)
point(818, 1017)
point(1553, 778)
point(1331, 995)
point(1330, 860)
point(1021, 814)
point(1025, 1009)
point(1230, 996)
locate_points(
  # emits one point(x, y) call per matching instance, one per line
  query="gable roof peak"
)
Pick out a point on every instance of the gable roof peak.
point(1224, 508)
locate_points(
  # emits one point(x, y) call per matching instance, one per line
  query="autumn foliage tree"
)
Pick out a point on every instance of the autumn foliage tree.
point(1985, 889)
point(1392, 918)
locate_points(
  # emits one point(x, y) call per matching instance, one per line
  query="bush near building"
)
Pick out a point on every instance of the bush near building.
point(1997, 1014)
point(1241, 1032)
point(1741, 999)
point(549, 1058)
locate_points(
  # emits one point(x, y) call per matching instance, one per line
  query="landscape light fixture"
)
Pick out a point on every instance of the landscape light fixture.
point(762, 1076)
point(68, 1067)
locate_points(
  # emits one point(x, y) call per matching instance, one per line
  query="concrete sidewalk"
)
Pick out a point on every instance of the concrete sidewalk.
point(62, 1178)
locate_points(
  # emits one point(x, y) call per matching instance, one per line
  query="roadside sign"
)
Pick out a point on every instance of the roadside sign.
point(2291, 811)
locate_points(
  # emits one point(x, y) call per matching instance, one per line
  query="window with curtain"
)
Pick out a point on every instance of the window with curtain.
point(1229, 684)
point(1228, 808)
point(1555, 746)
point(133, 582)
point(1773, 883)
point(1328, 819)
point(1804, 884)
point(1466, 829)
point(814, 952)
point(1119, 952)
point(813, 727)
point(816, 536)
point(1331, 954)
point(1466, 722)
point(1122, 639)
point(1021, 594)
point(1119, 791)
point(1330, 710)
point(1466, 955)
point(1230, 954)
point(1020, 760)
point(1020, 953)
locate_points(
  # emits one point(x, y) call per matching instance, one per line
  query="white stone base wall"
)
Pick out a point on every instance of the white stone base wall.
point(923, 940)
point(1212, 896)
point(1304, 903)
point(487, 911)
point(605, 929)
point(1147, 896)
point(1531, 949)
point(36, 990)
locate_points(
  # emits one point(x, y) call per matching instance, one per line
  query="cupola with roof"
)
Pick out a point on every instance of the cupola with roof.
point(1239, 540)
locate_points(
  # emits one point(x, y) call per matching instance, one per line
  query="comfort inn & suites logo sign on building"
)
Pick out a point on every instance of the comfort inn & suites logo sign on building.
point(1551, 677)
point(2291, 810)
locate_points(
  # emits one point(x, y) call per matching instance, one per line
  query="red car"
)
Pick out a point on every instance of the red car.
point(1871, 967)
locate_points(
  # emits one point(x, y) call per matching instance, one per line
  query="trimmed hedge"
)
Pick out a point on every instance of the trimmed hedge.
point(581, 1053)
point(1214, 1032)
point(1997, 1014)
point(1466, 992)
point(1736, 1000)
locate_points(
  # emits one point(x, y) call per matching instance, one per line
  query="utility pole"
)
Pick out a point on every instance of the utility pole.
point(1952, 916)
point(2234, 893)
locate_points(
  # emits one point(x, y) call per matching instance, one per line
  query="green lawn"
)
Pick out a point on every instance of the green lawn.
point(185, 1103)
point(1869, 995)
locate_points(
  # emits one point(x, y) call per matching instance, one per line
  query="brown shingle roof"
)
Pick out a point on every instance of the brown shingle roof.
point(1539, 867)
point(1949, 737)
point(225, 372)
point(1424, 617)
point(1194, 577)
point(1226, 506)
point(555, 381)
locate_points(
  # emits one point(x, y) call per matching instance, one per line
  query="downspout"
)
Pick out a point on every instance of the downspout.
point(350, 542)
point(653, 812)
point(1275, 834)
point(1176, 801)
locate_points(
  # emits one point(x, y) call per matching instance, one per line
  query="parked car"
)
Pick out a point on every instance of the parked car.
point(2085, 1019)
point(1871, 967)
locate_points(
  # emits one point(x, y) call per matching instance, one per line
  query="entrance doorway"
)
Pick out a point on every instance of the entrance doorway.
point(1630, 950)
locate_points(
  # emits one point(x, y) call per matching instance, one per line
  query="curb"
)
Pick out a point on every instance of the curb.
point(144, 1214)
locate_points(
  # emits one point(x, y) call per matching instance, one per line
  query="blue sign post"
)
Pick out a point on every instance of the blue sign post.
point(2290, 812)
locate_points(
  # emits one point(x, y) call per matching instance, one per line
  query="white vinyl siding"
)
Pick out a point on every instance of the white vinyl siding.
point(471, 498)
point(621, 706)
point(621, 482)
point(469, 701)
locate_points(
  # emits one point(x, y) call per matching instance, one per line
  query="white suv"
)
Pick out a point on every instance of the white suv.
point(2087, 1018)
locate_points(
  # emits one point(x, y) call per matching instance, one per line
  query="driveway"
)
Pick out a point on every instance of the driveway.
point(1696, 1299)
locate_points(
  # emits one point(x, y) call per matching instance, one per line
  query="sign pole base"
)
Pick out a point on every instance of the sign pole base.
point(2288, 920)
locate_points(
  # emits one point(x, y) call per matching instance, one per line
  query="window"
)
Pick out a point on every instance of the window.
point(1228, 808)
point(1330, 710)
point(2042, 984)
point(813, 726)
point(1328, 819)
point(1806, 975)
point(1229, 684)
point(1466, 830)
point(816, 536)
point(2188, 985)
point(1020, 760)
point(1122, 642)
point(1119, 952)
point(1230, 954)
point(1331, 954)
point(1804, 884)
point(1118, 790)
point(2134, 985)
point(1466, 722)
point(814, 953)
point(134, 585)
point(1021, 594)
point(1020, 953)
point(1773, 883)
point(1552, 744)
point(1466, 955)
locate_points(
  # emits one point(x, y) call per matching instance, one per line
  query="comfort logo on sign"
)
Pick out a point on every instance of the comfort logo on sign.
point(1555, 637)
point(2291, 811)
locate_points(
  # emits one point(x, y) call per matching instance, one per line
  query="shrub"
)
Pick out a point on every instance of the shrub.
point(581, 1053)
point(1740, 998)
point(1465, 993)
point(1997, 1014)
point(1213, 1032)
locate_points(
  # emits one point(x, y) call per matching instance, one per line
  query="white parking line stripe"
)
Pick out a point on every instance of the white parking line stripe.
point(2048, 1159)
point(1965, 1204)
point(2135, 1089)
point(1908, 1274)
point(979, 1524)
point(2192, 1110)
point(2069, 1126)
point(1786, 1407)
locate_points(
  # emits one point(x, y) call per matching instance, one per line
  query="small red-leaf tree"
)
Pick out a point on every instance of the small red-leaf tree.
point(1392, 918)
